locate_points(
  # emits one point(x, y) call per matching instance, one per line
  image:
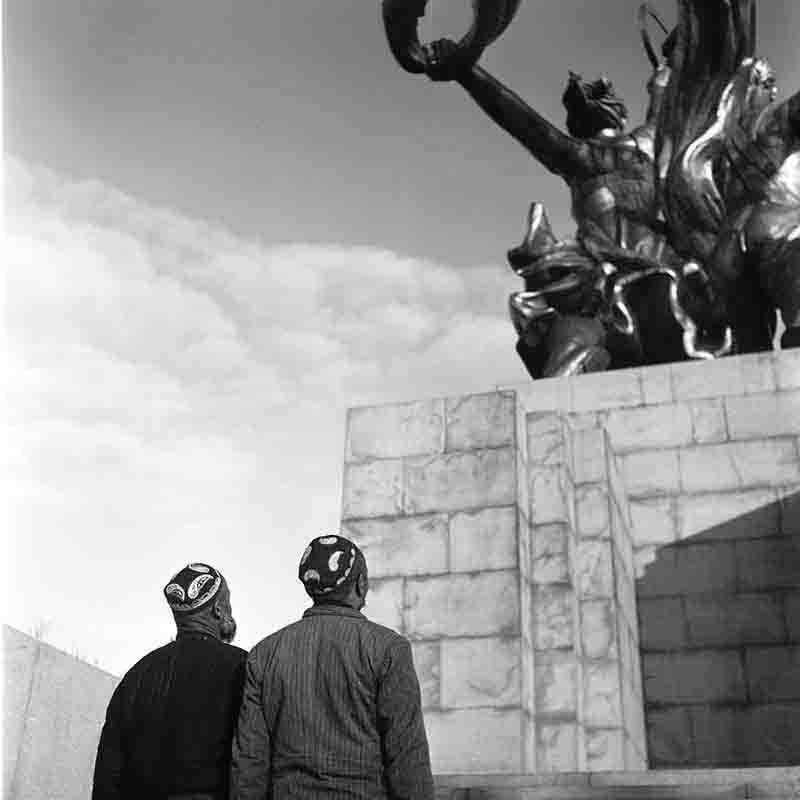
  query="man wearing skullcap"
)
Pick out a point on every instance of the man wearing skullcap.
point(331, 704)
point(170, 721)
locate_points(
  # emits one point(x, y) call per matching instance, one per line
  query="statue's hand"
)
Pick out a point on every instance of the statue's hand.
point(660, 77)
point(697, 295)
point(444, 60)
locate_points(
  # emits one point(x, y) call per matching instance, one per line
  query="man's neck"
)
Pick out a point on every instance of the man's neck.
point(339, 603)
point(198, 625)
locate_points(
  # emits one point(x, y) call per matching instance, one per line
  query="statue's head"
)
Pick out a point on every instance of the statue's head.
point(593, 108)
point(762, 84)
point(747, 97)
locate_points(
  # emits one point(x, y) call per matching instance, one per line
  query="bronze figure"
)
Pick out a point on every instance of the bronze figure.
point(688, 226)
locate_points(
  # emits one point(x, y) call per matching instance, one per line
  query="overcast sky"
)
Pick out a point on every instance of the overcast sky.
point(228, 222)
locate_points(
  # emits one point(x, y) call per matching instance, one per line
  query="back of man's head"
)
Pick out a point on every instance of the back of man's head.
point(199, 598)
point(333, 570)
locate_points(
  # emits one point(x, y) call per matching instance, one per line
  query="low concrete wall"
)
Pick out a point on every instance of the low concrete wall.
point(53, 709)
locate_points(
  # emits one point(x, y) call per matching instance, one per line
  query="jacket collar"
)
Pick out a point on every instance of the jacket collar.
point(332, 610)
point(196, 635)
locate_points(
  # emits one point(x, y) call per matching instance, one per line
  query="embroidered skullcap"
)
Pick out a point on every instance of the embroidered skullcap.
point(329, 563)
point(193, 587)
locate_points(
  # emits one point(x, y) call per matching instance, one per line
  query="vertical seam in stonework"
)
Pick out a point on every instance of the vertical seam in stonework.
point(681, 488)
point(517, 455)
point(570, 396)
point(448, 540)
point(773, 371)
point(742, 653)
point(620, 616)
point(737, 587)
point(685, 613)
point(787, 638)
point(692, 732)
point(34, 671)
point(445, 426)
point(403, 510)
point(725, 422)
point(403, 601)
point(672, 388)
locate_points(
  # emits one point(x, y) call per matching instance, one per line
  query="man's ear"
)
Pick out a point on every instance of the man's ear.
point(362, 584)
point(216, 609)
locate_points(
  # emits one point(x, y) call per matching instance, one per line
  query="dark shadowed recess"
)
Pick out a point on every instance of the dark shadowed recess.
point(719, 624)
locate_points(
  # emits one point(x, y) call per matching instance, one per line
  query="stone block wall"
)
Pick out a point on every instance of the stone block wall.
point(536, 544)
point(53, 710)
point(587, 688)
point(496, 546)
point(430, 494)
point(708, 456)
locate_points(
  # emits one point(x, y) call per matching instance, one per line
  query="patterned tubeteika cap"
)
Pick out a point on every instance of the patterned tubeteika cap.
point(193, 587)
point(329, 563)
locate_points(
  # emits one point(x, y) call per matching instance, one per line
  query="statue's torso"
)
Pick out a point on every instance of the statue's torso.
point(615, 203)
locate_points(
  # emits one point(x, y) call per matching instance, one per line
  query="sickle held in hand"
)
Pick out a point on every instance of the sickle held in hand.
point(644, 12)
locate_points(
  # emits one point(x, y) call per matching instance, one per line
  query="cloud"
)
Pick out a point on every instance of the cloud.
point(93, 267)
point(175, 388)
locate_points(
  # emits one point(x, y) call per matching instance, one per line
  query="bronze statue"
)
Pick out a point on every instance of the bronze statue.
point(764, 225)
point(687, 226)
point(752, 246)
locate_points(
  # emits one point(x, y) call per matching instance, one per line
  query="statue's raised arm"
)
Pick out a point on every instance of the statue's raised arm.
point(610, 173)
point(559, 152)
point(448, 60)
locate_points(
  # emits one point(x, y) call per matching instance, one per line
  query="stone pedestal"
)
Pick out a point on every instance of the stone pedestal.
point(506, 532)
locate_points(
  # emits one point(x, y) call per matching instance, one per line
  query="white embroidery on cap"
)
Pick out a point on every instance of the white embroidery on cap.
point(174, 590)
point(352, 561)
point(197, 584)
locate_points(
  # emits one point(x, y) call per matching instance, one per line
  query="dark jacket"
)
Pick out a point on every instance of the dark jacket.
point(331, 710)
point(170, 721)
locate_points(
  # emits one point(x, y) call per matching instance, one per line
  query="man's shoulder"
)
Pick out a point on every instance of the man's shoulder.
point(230, 654)
point(231, 651)
point(273, 639)
point(149, 661)
point(226, 652)
point(387, 635)
point(154, 656)
point(224, 656)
